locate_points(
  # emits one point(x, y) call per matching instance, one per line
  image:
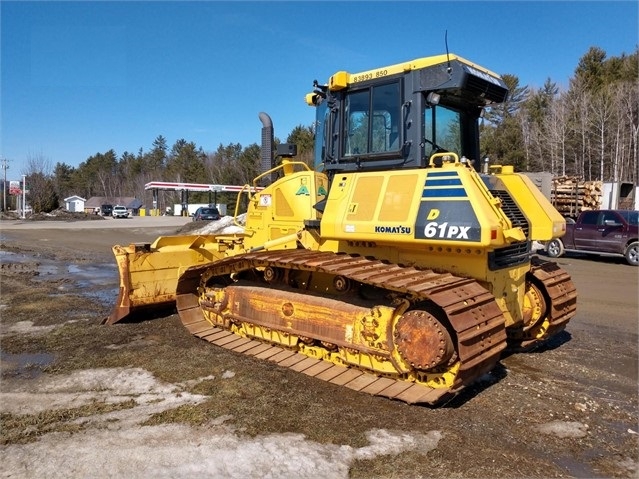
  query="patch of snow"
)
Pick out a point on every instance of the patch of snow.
point(83, 387)
point(228, 375)
point(26, 327)
point(170, 451)
point(224, 225)
point(537, 246)
point(116, 445)
point(564, 429)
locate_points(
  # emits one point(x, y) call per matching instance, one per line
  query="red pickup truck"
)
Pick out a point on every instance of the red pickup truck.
point(602, 232)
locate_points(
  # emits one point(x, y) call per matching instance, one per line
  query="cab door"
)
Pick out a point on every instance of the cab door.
point(587, 231)
point(610, 229)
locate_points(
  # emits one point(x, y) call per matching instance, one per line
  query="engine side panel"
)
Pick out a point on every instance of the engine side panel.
point(413, 208)
point(545, 221)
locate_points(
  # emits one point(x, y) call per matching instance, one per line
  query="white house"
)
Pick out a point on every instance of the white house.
point(74, 203)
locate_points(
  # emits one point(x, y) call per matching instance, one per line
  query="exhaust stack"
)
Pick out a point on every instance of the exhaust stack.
point(266, 153)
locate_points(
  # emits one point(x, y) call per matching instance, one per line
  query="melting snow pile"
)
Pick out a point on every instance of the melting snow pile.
point(224, 225)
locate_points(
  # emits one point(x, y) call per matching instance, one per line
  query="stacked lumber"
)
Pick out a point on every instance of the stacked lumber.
point(571, 195)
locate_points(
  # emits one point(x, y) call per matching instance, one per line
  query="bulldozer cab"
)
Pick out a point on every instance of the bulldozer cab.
point(399, 116)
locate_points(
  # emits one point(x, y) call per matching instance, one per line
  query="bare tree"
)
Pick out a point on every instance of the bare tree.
point(600, 118)
point(578, 104)
point(42, 193)
point(558, 134)
point(627, 99)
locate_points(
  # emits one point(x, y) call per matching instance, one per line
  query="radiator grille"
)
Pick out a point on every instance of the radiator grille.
point(512, 255)
point(512, 211)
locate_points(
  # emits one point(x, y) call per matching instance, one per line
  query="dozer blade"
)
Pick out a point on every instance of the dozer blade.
point(149, 272)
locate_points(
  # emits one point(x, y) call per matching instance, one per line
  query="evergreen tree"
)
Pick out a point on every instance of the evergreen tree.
point(63, 183)
point(502, 138)
point(155, 160)
point(590, 70)
point(304, 138)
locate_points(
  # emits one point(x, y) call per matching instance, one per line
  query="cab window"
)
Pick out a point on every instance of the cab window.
point(590, 218)
point(631, 217)
point(609, 218)
point(371, 120)
point(442, 130)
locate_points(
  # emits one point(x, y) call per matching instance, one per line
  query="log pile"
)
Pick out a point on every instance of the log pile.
point(571, 195)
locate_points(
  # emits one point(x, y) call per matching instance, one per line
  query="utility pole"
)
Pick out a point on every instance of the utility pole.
point(4, 166)
point(24, 196)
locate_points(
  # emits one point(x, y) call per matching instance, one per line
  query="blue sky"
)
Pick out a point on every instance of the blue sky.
point(78, 78)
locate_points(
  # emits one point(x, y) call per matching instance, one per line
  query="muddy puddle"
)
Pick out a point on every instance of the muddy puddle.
point(25, 365)
point(98, 281)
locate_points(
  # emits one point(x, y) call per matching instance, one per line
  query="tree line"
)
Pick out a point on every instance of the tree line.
point(588, 129)
point(107, 175)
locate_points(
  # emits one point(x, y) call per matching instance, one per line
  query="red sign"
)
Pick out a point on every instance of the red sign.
point(14, 188)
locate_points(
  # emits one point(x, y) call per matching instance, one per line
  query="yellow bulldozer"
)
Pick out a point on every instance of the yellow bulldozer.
point(400, 265)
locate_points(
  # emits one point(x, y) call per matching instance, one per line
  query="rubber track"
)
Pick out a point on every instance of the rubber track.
point(472, 311)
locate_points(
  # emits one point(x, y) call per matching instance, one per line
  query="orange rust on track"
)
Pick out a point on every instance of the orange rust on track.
point(471, 311)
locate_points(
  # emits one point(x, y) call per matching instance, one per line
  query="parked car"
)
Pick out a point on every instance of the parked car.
point(120, 212)
point(106, 210)
point(600, 232)
point(208, 213)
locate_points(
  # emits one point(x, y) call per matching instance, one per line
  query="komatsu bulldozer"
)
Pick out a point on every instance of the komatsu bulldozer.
point(399, 265)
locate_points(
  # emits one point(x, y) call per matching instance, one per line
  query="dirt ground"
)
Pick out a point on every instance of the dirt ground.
point(146, 399)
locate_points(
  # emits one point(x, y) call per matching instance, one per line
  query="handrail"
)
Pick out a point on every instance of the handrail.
point(287, 165)
point(446, 156)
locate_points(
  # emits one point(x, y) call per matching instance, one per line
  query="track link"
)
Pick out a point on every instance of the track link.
point(560, 298)
point(471, 311)
point(560, 291)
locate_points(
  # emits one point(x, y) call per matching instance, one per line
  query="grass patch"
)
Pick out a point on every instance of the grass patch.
point(26, 428)
point(193, 415)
